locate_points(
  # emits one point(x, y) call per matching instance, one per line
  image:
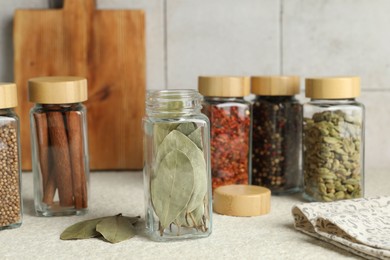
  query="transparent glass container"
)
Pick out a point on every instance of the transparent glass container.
point(277, 134)
point(230, 134)
point(59, 145)
point(333, 140)
point(176, 166)
point(11, 208)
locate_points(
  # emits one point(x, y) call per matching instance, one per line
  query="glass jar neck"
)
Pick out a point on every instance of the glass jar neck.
point(7, 111)
point(224, 99)
point(333, 101)
point(171, 103)
point(58, 106)
point(276, 98)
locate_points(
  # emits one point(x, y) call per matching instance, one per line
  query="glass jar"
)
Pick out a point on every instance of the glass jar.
point(277, 132)
point(10, 171)
point(177, 166)
point(333, 139)
point(59, 145)
point(230, 119)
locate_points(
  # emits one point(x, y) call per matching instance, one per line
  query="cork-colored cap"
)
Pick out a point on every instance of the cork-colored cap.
point(8, 95)
point(333, 87)
point(220, 86)
point(242, 200)
point(275, 85)
point(57, 90)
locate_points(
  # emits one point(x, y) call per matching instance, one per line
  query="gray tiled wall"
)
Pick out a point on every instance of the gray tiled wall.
point(187, 38)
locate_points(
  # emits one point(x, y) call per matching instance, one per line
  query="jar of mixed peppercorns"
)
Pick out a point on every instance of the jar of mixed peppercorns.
point(277, 127)
point(10, 198)
point(230, 119)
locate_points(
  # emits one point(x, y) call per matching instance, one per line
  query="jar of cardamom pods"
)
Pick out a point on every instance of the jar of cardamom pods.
point(277, 134)
point(10, 169)
point(230, 119)
point(333, 139)
point(59, 145)
point(176, 166)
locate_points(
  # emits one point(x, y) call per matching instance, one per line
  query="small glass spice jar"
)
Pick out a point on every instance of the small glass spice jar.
point(10, 170)
point(333, 139)
point(277, 132)
point(230, 119)
point(59, 145)
point(176, 166)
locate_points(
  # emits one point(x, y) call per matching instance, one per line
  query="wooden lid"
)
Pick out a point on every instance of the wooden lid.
point(275, 85)
point(8, 95)
point(333, 87)
point(224, 86)
point(57, 90)
point(242, 200)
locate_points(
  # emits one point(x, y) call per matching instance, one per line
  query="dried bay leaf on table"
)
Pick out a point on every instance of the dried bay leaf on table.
point(87, 228)
point(173, 186)
point(116, 229)
point(82, 230)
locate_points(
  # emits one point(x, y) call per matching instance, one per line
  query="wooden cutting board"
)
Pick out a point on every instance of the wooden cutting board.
point(105, 46)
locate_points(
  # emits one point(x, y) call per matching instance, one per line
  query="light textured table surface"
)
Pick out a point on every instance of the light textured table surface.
point(265, 237)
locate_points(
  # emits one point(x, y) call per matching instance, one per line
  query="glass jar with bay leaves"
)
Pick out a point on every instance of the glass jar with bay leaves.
point(176, 166)
point(333, 139)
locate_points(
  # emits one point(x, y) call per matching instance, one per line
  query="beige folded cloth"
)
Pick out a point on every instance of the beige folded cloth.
point(361, 226)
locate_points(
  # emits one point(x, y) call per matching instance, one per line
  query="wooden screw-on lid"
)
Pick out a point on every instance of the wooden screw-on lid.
point(57, 90)
point(242, 200)
point(333, 87)
point(275, 85)
point(8, 95)
point(224, 86)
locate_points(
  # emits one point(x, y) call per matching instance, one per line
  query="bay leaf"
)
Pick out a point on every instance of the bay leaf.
point(197, 216)
point(116, 229)
point(173, 184)
point(196, 137)
point(177, 140)
point(132, 220)
point(186, 128)
point(182, 220)
point(82, 230)
point(160, 131)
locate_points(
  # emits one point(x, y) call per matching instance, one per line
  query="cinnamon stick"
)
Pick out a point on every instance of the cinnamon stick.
point(75, 137)
point(61, 157)
point(48, 178)
point(49, 189)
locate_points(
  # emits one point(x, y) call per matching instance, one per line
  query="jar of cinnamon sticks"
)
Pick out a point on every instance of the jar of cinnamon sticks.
point(10, 198)
point(59, 145)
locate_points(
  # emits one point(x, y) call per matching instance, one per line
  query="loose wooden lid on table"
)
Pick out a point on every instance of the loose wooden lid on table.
point(242, 200)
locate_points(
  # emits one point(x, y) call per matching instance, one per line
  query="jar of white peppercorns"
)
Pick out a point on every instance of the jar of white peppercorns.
point(10, 170)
